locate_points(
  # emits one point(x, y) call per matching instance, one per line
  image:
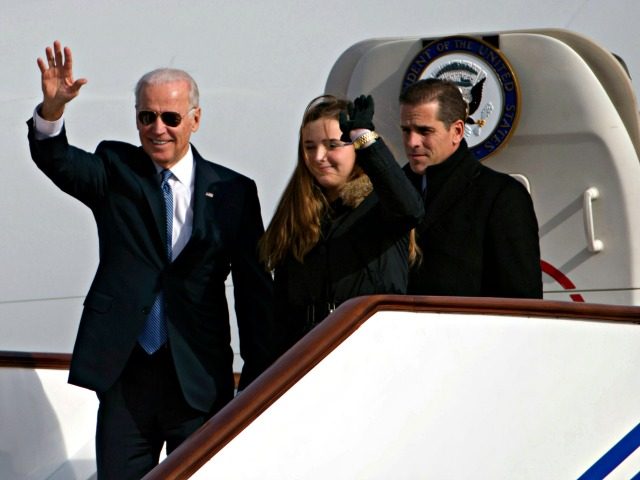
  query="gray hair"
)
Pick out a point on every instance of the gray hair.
point(161, 76)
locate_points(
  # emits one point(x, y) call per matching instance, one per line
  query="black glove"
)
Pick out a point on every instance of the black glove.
point(359, 115)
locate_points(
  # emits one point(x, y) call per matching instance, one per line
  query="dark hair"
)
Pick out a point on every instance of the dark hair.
point(446, 94)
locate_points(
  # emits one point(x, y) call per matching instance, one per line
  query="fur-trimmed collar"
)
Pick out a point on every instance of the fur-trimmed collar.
point(355, 191)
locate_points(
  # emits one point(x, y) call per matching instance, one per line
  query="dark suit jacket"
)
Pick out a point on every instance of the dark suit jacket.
point(479, 236)
point(120, 185)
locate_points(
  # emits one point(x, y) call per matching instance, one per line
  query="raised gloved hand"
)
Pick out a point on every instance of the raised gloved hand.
point(359, 115)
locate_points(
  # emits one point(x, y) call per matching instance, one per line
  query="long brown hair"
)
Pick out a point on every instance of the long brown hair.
point(296, 225)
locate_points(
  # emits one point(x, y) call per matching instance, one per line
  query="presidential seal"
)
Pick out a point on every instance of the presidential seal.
point(487, 83)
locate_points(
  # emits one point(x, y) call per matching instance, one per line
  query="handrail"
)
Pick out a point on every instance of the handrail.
point(52, 361)
point(593, 244)
point(321, 341)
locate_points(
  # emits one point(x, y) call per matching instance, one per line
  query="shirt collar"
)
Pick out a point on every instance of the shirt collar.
point(183, 169)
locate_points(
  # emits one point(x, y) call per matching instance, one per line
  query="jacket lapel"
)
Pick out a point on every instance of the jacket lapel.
point(204, 198)
point(454, 187)
point(150, 182)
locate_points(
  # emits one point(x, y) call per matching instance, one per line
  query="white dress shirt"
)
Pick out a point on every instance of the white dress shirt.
point(182, 182)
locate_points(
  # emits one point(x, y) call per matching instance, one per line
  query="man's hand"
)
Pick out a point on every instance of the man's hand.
point(58, 85)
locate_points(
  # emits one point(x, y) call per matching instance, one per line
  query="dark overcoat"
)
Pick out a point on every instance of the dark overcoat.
point(479, 236)
point(363, 249)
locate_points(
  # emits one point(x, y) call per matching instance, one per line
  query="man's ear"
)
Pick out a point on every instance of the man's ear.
point(457, 131)
point(196, 120)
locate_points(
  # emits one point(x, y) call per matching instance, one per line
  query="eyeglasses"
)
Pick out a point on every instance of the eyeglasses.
point(170, 119)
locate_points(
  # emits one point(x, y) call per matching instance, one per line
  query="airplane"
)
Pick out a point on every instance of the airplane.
point(257, 68)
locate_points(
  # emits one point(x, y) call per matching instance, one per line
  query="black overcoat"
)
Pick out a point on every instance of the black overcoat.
point(363, 249)
point(479, 236)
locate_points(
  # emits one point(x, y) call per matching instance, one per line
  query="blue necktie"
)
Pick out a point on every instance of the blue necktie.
point(154, 334)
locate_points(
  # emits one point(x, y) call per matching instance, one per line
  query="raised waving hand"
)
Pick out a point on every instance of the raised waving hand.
point(359, 116)
point(58, 85)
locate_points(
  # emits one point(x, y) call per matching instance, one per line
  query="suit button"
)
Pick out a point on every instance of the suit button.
point(146, 310)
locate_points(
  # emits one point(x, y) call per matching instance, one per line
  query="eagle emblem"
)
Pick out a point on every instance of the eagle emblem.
point(486, 80)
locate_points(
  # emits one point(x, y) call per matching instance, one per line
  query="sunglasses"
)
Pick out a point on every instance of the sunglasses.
point(170, 119)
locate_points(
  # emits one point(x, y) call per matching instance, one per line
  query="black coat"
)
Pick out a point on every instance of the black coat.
point(479, 236)
point(120, 185)
point(363, 249)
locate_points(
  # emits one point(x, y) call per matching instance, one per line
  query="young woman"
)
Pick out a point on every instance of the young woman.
point(342, 227)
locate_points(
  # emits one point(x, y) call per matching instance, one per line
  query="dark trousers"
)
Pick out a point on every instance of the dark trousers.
point(144, 409)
